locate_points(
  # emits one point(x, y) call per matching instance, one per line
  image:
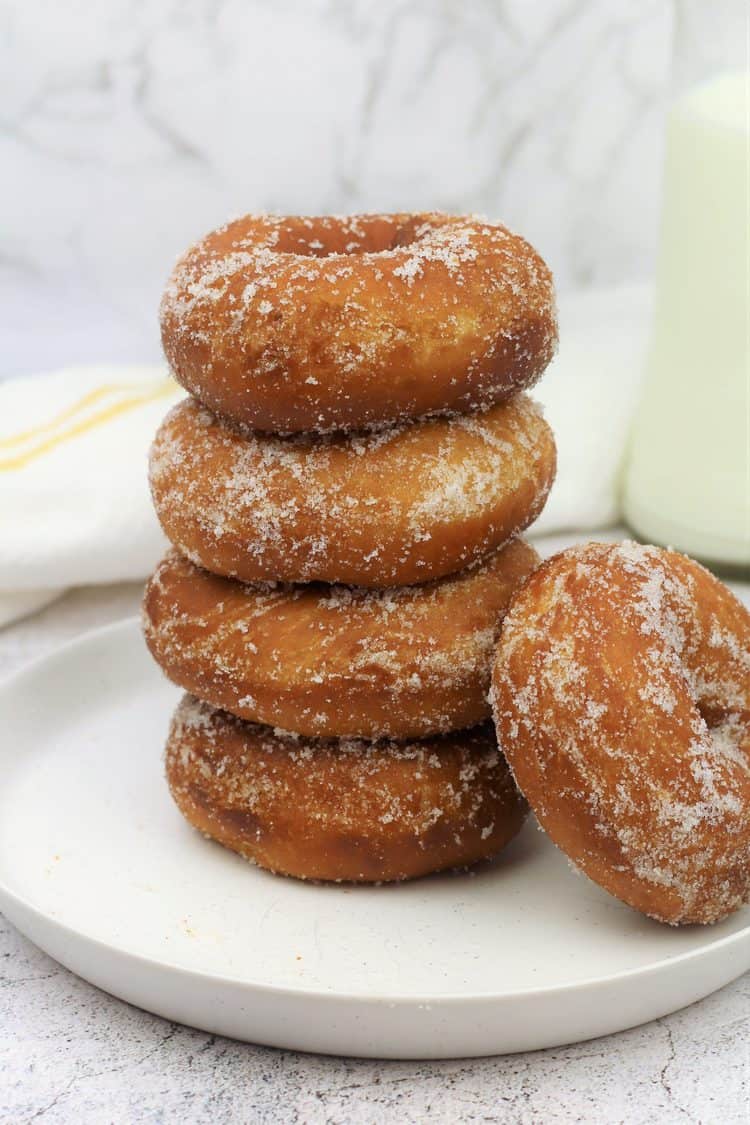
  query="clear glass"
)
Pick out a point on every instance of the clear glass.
point(687, 482)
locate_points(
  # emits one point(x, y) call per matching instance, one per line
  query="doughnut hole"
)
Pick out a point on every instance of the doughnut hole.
point(368, 234)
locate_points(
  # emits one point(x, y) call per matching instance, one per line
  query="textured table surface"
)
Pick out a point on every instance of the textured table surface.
point(69, 1053)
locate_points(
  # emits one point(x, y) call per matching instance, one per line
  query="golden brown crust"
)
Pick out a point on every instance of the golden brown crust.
point(317, 324)
point(347, 811)
point(622, 701)
point(335, 661)
point(406, 505)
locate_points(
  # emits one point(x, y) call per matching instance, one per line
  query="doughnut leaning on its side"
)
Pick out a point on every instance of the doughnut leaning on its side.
point(621, 694)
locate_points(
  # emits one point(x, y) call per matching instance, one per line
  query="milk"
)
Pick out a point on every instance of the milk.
point(687, 482)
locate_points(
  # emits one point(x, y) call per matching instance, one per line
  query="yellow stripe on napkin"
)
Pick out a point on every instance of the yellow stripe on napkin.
point(159, 390)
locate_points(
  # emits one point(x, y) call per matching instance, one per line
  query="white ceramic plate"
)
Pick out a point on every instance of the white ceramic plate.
point(98, 868)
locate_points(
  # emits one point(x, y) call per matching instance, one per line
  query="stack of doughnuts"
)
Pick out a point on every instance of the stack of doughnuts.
point(344, 491)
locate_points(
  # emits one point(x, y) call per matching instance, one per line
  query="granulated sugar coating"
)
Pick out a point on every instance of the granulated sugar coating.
point(318, 324)
point(406, 504)
point(336, 660)
point(356, 426)
point(621, 692)
point(348, 810)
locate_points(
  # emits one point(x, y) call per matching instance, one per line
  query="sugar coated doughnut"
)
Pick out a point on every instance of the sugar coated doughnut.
point(346, 810)
point(622, 701)
point(299, 324)
point(335, 660)
point(406, 505)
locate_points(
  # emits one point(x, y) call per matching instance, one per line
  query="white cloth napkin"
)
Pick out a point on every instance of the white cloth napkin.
point(589, 394)
point(74, 501)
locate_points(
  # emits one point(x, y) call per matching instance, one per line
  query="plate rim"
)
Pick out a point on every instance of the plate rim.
point(125, 625)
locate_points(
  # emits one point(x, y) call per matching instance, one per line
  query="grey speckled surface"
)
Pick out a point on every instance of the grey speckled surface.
point(71, 1054)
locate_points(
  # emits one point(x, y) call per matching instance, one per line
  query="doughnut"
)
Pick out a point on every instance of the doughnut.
point(289, 324)
point(354, 811)
point(406, 505)
point(621, 692)
point(335, 661)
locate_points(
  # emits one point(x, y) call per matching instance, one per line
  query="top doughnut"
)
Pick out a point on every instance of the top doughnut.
point(290, 324)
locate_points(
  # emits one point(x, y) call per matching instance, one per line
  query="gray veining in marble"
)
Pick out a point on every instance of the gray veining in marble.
point(128, 129)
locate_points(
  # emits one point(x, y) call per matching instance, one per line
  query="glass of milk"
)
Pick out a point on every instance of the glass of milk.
point(687, 478)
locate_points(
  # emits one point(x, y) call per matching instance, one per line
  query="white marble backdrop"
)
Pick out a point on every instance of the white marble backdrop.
point(129, 127)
